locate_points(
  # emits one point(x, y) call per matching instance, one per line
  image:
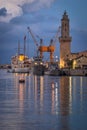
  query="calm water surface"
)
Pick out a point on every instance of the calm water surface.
point(42, 102)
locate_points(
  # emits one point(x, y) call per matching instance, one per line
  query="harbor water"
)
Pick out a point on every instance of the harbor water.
point(42, 102)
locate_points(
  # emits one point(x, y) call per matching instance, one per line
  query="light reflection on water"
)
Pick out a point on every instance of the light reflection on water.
point(42, 102)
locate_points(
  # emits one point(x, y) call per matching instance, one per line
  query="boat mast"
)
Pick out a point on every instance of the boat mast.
point(18, 51)
point(18, 48)
point(24, 45)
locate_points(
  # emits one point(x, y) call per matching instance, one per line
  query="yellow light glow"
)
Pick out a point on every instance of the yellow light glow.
point(21, 57)
point(61, 64)
point(41, 63)
point(74, 64)
point(35, 63)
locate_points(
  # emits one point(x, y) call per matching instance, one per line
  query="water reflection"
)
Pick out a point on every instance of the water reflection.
point(65, 101)
point(39, 93)
point(21, 90)
point(45, 94)
point(55, 98)
point(58, 92)
point(43, 102)
point(65, 95)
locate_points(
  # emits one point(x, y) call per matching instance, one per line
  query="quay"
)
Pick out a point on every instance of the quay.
point(66, 72)
point(5, 66)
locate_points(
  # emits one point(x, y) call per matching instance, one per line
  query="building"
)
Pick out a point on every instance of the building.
point(67, 58)
point(80, 62)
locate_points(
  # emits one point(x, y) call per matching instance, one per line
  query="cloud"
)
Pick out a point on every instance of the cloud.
point(3, 12)
point(36, 5)
point(14, 8)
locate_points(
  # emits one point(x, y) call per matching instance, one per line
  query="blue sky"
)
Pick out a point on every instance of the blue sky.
point(43, 17)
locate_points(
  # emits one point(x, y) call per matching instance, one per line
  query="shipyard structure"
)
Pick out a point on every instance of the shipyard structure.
point(67, 58)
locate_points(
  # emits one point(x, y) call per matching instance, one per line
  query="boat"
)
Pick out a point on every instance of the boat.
point(54, 70)
point(22, 78)
point(78, 72)
point(21, 81)
point(38, 66)
point(21, 63)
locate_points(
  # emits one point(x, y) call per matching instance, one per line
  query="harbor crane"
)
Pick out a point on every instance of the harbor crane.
point(35, 41)
point(50, 48)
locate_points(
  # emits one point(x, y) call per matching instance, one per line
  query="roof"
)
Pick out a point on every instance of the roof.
point(79, 57)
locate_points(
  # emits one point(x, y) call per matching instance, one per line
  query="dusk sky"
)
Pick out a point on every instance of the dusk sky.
point(44, 18)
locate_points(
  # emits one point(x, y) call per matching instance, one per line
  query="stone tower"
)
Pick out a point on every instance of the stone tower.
point(65, 40)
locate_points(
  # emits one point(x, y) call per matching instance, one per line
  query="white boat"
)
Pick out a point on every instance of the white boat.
point(21, 64)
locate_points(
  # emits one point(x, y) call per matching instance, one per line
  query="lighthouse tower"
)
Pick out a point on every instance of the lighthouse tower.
point(65, 40)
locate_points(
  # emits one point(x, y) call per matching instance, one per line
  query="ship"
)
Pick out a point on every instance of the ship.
point(38, 66)
point(21, 63)
point(54, 70)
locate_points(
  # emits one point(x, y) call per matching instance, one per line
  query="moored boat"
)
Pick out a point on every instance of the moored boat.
point(21, 64)
point(54, 70)
point(78, 72)
point(38, 66)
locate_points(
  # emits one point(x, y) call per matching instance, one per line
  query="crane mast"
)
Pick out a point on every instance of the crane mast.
point(24, 46)
point(33, 37)
point(57, 35)
point(53, 43)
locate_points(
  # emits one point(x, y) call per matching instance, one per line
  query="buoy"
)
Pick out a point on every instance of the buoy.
point(21, 80)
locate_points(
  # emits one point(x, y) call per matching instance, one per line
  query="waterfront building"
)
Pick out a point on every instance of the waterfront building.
point(80, 62)
point(67, 58)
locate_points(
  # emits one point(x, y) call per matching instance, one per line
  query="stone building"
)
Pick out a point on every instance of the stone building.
point(67, 58)
point(80, 62)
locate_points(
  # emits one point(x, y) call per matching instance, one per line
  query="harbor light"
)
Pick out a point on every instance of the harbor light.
point(35, 63)
point(74, 64)
point(41, 63)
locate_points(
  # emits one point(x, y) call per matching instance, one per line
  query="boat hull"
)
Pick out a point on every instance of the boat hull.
point(78, 72)
point(53, 73)
point(38, 70)
point(21, 70)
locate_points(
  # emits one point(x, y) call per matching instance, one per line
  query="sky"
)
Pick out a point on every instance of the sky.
point(44, 18)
